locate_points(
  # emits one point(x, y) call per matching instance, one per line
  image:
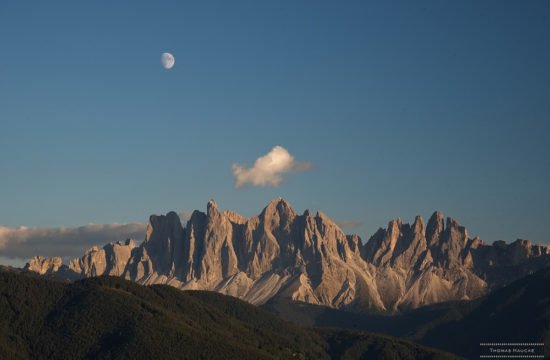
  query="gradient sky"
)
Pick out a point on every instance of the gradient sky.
point(402, 108)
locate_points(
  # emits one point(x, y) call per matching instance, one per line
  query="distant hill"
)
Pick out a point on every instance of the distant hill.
point(108, 317)
point(519, 312)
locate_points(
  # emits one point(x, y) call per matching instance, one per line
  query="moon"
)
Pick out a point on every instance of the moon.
point(167, 60)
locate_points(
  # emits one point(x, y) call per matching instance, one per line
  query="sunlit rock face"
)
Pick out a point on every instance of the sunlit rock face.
point(307, 257)
point(44, 266)
point(112, 259)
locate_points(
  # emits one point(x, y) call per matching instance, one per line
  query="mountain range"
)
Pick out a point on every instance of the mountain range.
point(308, 258)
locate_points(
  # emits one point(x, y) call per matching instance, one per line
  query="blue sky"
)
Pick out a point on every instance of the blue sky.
point(402, 108)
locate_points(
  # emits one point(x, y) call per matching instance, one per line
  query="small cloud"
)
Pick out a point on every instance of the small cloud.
point(349, 224)
point(24, 243)
point(268, 169)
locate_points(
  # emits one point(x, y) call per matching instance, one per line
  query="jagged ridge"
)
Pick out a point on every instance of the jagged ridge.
point(309, 258)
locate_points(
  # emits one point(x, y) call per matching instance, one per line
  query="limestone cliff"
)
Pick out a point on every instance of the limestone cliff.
point(43, 266)
point(307, 257)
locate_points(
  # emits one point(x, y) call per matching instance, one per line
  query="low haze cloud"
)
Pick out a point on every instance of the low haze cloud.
point(66, 242)
point(268, 170)
point(349, 224)
point(185, 216)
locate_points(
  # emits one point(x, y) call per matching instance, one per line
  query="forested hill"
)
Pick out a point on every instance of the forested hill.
point(108, 317)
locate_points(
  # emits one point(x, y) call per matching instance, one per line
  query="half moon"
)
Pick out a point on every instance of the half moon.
point(167, 60)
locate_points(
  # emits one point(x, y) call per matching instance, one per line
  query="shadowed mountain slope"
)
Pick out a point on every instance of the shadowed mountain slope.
point(518, 312)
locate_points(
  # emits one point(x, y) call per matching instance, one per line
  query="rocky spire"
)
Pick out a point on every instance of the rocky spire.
point(165, 236)
point(212, 209)
point(434, 228)
point(42, 265)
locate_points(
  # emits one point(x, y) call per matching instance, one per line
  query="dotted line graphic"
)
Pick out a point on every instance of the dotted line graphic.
point(513, 356)
point(511, 344)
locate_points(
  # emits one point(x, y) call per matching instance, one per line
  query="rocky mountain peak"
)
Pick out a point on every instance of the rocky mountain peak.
point(322, 217)
point(499, 244)
point(279, 205)
point(278, 212)
point(309, 258)
point(437, 216)
point(196, 217)
point(435, 228)
point(212, 208)
point(43, 266)
point(418, 226)
point(394, 225)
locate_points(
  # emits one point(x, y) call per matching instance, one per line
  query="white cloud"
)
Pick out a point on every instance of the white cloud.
point(268, 169)
point(66, 242)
